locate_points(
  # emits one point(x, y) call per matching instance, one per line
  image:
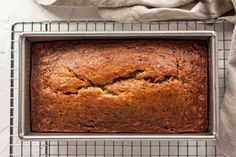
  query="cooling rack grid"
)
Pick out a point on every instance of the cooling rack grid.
point(19, 148)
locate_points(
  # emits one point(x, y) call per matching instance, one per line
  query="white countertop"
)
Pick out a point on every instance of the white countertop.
point(12, 11)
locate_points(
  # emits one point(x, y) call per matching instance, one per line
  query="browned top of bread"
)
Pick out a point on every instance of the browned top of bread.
point(119, 86)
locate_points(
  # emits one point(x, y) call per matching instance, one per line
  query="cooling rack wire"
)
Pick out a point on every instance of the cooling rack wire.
point(19, 148)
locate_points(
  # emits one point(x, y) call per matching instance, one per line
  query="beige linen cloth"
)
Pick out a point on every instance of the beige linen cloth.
point(153, 10)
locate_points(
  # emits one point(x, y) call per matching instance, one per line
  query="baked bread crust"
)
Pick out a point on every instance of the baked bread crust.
point(119, 86)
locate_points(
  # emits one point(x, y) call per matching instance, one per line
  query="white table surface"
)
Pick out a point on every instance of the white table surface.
point(12, 11)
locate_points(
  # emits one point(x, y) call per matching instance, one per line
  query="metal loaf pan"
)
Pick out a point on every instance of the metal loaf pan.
point(24, 83)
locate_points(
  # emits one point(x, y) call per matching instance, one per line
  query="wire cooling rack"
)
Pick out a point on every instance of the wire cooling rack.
point(19, 148)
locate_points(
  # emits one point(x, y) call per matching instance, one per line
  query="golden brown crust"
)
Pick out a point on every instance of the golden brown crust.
point(119, 86)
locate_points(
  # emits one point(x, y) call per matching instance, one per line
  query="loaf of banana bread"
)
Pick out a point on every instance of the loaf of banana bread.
point(123, 86)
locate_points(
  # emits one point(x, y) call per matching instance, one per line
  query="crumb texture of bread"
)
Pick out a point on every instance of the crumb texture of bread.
point(120, 86)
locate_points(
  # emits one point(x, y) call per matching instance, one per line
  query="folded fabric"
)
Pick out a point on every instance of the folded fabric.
point(116, 3)
point(150, 10)
point(227, 130)
point(154, 10)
